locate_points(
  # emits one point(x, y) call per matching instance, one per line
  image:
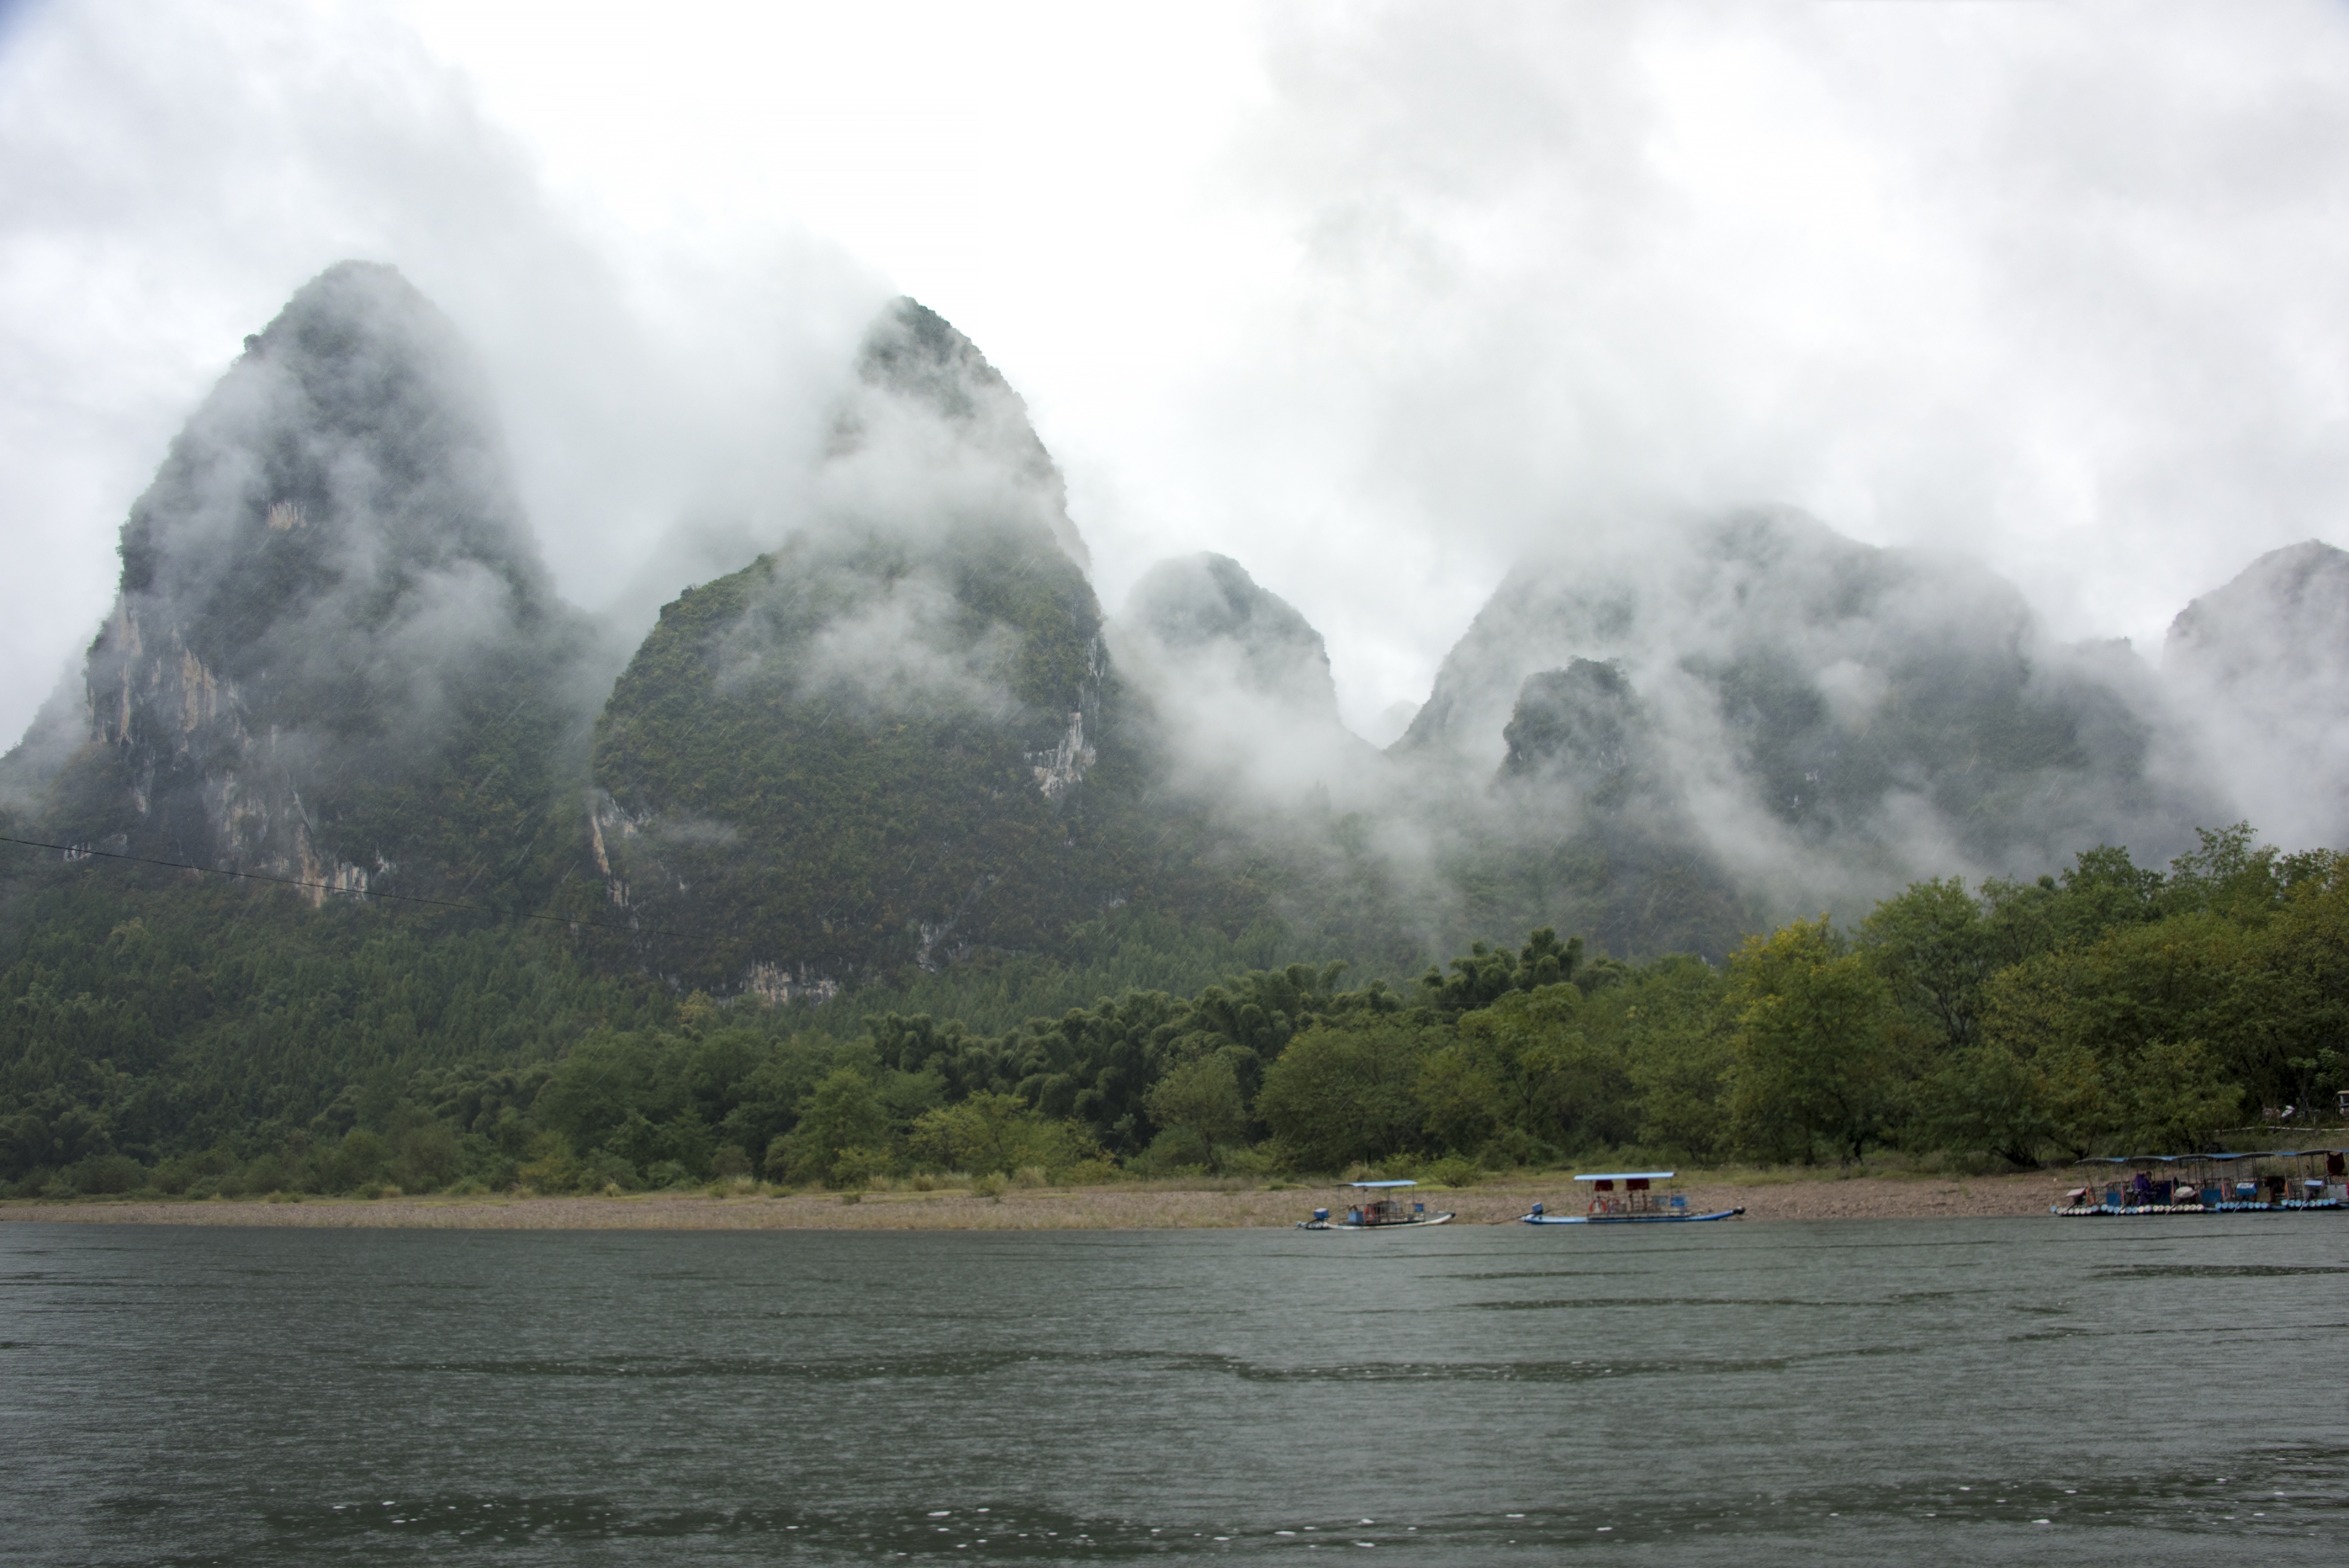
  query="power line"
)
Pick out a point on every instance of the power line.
point(80, 851)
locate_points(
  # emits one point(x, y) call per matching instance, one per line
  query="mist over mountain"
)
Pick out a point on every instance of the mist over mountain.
point(1239, 686)
point(335, 654)
point(895, 740)
point(1828, 718)
point(2260, 667)
point(907, 738)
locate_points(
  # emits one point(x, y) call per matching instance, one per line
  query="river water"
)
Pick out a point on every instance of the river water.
point(2145, 1391)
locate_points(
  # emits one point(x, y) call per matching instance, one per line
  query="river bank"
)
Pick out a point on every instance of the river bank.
point(1122, 1207)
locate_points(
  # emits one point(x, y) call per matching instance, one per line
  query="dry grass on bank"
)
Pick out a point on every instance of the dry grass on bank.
point(1122, 1206)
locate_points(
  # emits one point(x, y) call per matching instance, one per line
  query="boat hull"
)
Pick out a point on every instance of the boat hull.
point(1628, 1218)
point(1389, 1225)
point(2289, 1206)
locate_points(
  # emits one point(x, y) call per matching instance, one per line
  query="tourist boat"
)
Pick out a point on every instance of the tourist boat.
point(1637, 1204)
point(2273, 1181)
point(1384, 1206)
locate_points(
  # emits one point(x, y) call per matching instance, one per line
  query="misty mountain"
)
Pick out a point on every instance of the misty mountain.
point(1824, 716)
point(335, 654)
point(906, 737)
point(897, 739)
point(2260, 669)
point(1239, 686)
point(1584, 827)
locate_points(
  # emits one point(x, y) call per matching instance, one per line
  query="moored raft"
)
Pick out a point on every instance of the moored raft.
point(2269, 1181)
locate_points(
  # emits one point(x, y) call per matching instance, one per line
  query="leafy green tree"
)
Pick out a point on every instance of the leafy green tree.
point(1934, 944)
point(2091, 1021)
point(998, 1133)
point(1340, 1094)
point(1486, 974)
point(1523, 1078)
point(2176, 1098)
point(2296, 969)
point(1668, 1021)
point(841, 1113)
point(1198, 1104)
point(1988, 1098)
point(1814, 1064)
point(426, 1155)
point(552, 1167)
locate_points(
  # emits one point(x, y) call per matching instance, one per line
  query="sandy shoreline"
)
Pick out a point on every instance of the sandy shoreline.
point(1075, 1208)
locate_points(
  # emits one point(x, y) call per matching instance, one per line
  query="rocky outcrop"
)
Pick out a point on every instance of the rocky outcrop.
point(332, 657)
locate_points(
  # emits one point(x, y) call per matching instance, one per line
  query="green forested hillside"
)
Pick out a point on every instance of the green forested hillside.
point(763, 817)
point(155, 1034)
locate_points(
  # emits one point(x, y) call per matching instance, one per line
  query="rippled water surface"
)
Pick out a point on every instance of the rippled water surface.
point(2167, 1390)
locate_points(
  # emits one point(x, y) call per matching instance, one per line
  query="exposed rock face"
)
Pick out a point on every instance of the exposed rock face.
point(1826, 706)
point(2260, 667)
point(881, 743)
point(334, 655)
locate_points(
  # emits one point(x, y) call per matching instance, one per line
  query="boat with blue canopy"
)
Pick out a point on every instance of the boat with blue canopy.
point(1383, 1206)
point(1637, 1203)
point(2265, 1182)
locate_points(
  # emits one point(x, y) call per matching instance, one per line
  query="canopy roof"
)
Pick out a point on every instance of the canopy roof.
point(1627, 1175)
point(2188, 1158)
point(1382, 1184)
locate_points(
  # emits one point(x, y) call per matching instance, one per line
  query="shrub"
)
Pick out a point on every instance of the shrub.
point(853, 1169)
point(1452, 1171)
point(552, 1167)
point(425, 1157)
point(106, 1174)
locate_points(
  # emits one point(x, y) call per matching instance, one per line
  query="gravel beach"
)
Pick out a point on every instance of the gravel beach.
point(1115, 1207)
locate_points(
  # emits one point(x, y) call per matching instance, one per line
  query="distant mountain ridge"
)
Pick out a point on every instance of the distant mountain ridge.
point(1822, 693)
point(907, 737)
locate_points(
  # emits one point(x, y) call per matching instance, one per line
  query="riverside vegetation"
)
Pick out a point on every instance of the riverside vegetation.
point(157, 1036)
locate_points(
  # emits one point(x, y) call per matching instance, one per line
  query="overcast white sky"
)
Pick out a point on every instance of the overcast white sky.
point(1367, 297)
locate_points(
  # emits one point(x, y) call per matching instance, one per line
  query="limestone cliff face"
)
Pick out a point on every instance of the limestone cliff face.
point(334, 656)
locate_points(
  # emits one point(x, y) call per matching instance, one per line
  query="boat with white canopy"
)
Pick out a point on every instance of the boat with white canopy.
point(1638, 1202)
point(1384, 1206)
